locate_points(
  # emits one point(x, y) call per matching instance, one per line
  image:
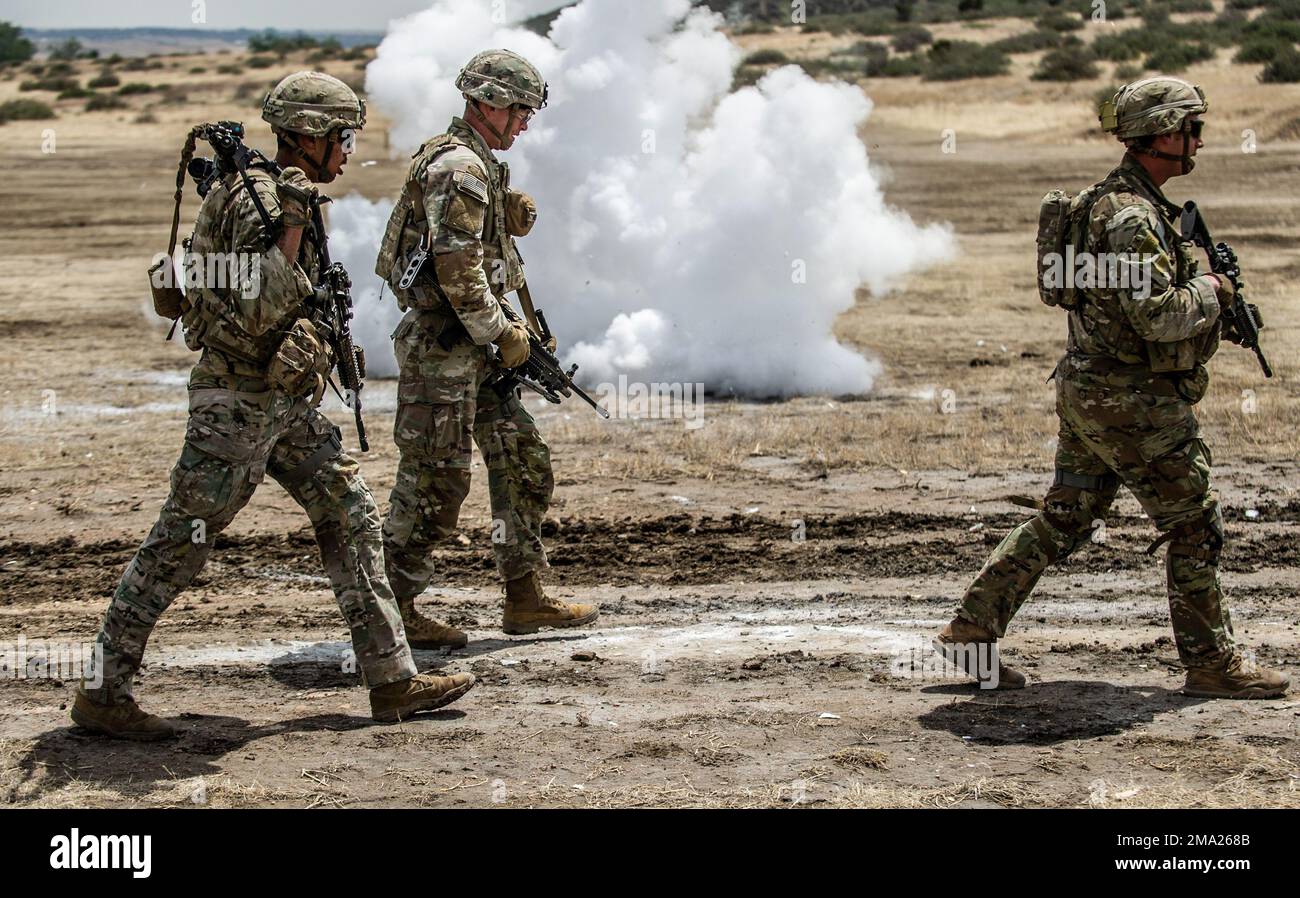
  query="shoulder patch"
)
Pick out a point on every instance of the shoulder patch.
point(472, 185)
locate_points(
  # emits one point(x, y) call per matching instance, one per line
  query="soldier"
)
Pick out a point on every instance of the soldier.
point(253, 397)
point(458, 206)
point(1133, 370)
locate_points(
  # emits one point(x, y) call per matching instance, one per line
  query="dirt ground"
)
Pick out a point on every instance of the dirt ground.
point(766, 580)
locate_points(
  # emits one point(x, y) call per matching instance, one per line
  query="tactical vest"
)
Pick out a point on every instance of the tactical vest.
point(206, 319)
point(1097, 320)
point(408, 226)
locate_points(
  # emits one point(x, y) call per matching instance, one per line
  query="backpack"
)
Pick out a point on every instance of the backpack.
point(1062, 224)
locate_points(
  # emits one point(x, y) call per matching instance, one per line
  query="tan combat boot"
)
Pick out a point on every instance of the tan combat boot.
point(963, 644)
point(529, 608)
point(425, 632)
point(123, 720)
point(422, 692)
point(1242, 678)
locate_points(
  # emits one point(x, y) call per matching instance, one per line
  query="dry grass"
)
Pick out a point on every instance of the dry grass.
point(857, 757)
point(810, 793)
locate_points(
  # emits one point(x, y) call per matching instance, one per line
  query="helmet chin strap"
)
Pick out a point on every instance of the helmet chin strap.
point(1185, 160)
point(506, 138)
point(318, 166)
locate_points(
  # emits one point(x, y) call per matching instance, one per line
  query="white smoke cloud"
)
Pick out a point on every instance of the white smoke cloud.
point(687, 233)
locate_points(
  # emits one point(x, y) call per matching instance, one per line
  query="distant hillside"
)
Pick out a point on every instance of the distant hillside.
point(143, 41)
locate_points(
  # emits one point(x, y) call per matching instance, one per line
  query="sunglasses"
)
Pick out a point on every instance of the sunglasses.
point(1195, 127)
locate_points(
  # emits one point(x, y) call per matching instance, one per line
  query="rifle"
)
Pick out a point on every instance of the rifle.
point(1242, 316)
point(542, 372)
point(333, 315)
point(227, 142)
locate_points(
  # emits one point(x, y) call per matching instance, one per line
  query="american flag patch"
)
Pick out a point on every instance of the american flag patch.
point(472, 185)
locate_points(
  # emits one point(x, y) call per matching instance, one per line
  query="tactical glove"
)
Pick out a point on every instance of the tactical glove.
point(513, 344)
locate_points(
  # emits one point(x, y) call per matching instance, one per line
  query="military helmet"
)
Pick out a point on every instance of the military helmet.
point(501, 78)
point(1151, 106)
point(313, 103)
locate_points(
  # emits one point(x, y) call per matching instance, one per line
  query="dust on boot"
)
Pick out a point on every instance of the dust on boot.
point(969, 647)
point(529, 608)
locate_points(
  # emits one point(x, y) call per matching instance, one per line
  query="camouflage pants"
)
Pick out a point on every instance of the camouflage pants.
point(443, 404)
point(233, 439)
point(1112, 434)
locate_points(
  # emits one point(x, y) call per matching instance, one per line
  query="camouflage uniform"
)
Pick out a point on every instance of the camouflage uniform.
point(455, 201)
point(1125, 391)
point(243, 427)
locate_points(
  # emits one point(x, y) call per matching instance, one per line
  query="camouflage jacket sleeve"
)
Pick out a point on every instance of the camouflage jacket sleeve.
point(1159, 308)
point(456, 203)
point(278, 285)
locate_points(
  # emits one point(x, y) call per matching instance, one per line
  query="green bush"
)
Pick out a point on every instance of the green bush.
point(1128, 72)
point(135, 87)
point(1127, 45)
point(270, 41)
point(1067, 64)
point(229, 69)
point(104, 79)
point(69, 49)
point(1283, 9)
point(75, 93)
point(1260, 49)
point(956, 60)
point(1058, 20)
point(115, 59)
point(839, 67)
point(143, 65)
point(867, 23)
point(16, 110)
point(104, 101)
point(875, 57)
point(910, 37)
point(1190, 6)
point(903, 66)
point(767, 56)
point(1284, 68)
point(1155, 18)
point(260, 62)
point(13, 46)
point(58, 85)
point(1028, 42)
point(198, 70)
point(59, 68)
point(1174, 58)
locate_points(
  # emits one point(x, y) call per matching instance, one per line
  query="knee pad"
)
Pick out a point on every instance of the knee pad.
point(1201, 538)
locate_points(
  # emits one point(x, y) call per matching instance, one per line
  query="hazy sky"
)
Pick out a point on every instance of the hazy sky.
point(324, 15)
